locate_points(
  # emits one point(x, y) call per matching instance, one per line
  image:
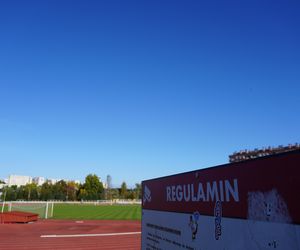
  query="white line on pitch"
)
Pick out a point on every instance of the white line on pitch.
point(86, 235)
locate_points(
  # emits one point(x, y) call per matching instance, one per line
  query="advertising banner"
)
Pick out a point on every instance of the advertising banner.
point(247, 205)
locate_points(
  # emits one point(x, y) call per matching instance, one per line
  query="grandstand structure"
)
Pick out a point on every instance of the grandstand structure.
point(252, 154)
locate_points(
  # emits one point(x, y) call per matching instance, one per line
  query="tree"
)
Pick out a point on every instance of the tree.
point(11, 193)
point(130, 194)
point(60, 190)
point(21, 194)
point(123, 191)
point(138, 191)
point(31, 192)
point(82, 193)
point(93, 187)
point(115, 194)
point(71, 191)
point(46, 192)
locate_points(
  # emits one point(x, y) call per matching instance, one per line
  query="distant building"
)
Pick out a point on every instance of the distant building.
point(53, 181)
point(19, 180)
point(251, 154)
point(39, 180)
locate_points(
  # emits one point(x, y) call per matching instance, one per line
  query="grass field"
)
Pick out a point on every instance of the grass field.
point(97, 212)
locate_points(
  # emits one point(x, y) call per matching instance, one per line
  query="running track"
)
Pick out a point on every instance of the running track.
point(67, 234)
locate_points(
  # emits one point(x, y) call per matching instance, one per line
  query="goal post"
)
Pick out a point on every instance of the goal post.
point(49, 210)
point(43, 209)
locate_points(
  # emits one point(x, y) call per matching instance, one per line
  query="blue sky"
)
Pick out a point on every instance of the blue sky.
point(142, 89)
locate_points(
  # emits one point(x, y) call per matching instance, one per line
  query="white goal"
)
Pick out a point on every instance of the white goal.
point(43, 209)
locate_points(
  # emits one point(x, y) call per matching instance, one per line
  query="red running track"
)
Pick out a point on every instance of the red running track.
point(85, 235)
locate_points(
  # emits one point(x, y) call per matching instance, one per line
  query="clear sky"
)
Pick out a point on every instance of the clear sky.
point(142, 89)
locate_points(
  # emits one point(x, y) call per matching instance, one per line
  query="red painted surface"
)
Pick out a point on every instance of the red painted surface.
point(27, 236)
point(278, 172)
point(18, 217)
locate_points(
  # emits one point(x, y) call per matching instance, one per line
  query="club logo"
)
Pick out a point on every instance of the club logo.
point(147, 195)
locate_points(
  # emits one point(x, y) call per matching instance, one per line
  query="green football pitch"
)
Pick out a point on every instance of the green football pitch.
point(97, 212)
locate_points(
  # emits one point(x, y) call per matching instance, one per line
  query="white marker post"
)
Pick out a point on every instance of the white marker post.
point(3, 204)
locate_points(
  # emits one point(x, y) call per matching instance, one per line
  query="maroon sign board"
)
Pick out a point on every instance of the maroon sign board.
point(248, 205)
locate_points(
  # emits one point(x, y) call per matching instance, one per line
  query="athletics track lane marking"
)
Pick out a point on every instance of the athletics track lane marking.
point(86, 235)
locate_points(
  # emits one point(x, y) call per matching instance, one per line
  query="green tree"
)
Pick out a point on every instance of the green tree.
point(11, 193)
point(71, 191)
point(59, 190)
point(130, 194)
point(138, 191)
point(21, 195)
point(93, 187)
point(46, 191)
point(82, 194)
point(115, 194)
point(123, 191)
point(31, 192)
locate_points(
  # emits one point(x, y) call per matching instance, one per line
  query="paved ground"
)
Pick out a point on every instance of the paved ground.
point(70, 234)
